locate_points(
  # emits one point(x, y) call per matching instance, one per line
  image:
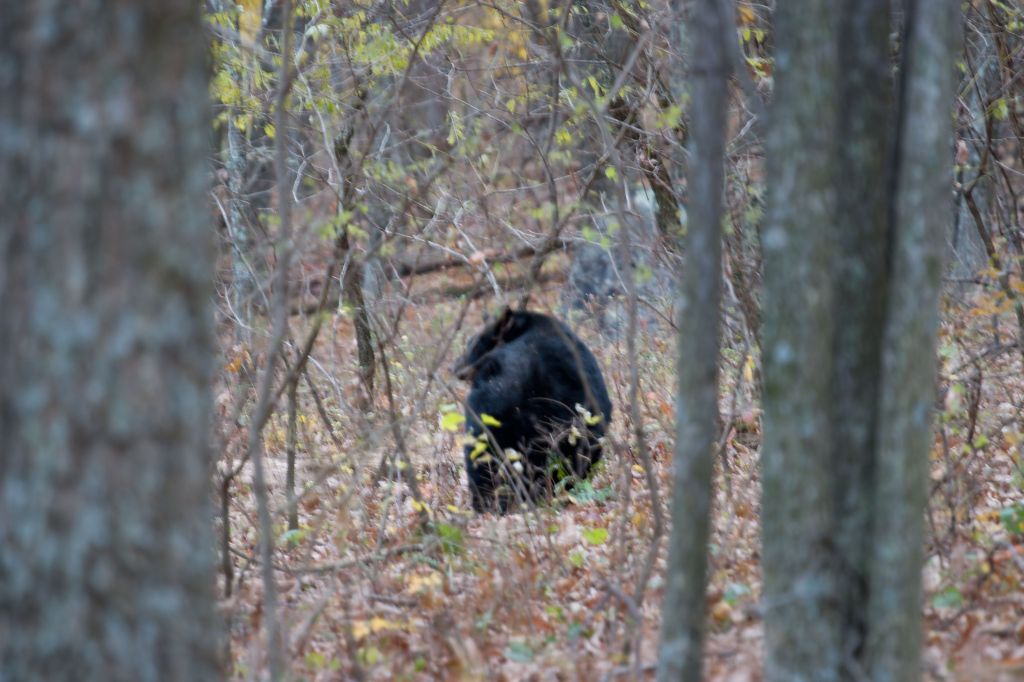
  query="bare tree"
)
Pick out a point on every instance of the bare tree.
point(699, 340)
point(106, 570)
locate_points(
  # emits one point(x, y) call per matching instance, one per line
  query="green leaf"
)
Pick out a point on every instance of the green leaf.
point(293, 537)
point(479, 448)
point(452, 421)
point(611, 173)
point(576, 559)
point(490, 421)
point(369, 655)
point(949, 598)
point(519, 652)
point(584, 491)
point(595, 536)
point(1000, 109)
point(1013, 518)
point(452, 541)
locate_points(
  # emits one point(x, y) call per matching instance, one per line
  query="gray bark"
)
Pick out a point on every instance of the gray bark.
point(861, 232)
point(106, 558)
point(843, 508)
point(923, 209)
point(699, 339)
point(801, 634)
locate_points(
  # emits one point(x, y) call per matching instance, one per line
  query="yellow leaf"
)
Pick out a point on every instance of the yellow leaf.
point(452, 421)
point(478, 449)
point(588, 419)
point(377, 624)
point(420, 583)
point(362, 628)
point(748, 369)
point(746, 14)
point(488, 420)
point(249, 18)
point(721, 612)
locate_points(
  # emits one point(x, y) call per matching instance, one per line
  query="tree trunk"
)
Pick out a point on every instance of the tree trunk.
point(923, 209)
point(106, 566)
point(801, 636)
point(699, 337)
point(847, 434)
point(863, 148)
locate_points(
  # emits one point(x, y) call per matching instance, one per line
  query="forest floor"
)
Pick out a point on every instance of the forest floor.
point(573, 591)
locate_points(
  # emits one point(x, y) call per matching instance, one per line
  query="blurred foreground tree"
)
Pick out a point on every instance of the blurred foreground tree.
point(105, 283)
point(859, 201)
point(860, 195)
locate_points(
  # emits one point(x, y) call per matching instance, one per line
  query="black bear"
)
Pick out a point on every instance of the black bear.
point(536, 411)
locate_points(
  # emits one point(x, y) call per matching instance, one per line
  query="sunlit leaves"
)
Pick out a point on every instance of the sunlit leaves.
point(425, 582)
point(250, 17)
point(452, 421)
point(595, 536)
point(477, 454)
point(363, 628)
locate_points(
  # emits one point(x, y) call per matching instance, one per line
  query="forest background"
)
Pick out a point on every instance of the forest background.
point(387, 173)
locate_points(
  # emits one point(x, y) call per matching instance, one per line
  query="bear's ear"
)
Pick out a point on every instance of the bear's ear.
point(505, 322)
